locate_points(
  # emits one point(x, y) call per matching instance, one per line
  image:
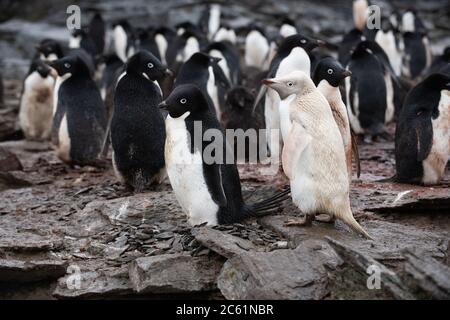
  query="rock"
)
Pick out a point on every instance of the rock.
point(298, 274)
point(15, 270)
point(430, 275)
point(164, 235)
point(28, 243)
point(362, 262)
point(9, 180)
point(174, 273)
point(390, 238)
point(222, 243)
point(94, 284)
point(9, 161)
point(8, 127)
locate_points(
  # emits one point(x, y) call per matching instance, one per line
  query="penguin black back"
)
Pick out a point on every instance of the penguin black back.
point(97, 32)
point(231, 57)
point(146, 41)
point(414, 133)
point(416, 52)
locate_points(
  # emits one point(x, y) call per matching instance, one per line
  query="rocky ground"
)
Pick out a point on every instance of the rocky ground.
point(77, 233)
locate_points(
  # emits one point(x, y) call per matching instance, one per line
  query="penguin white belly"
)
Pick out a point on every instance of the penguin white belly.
point(256, 49)
point(225, 35)
point(192, 46)
point(161, 42)
point(36, 106)
point(434, 165)
point(120, 43)
point(63, 149)
point(222, 63)
point(212, 91)
point(214, 20)
point(74, 42)
point(389, 115)
point(353, 116)
point(387, 42)
point(185, 171)
point(287, 30)
point(297, 60)
point(285, 121)
point(272, 118)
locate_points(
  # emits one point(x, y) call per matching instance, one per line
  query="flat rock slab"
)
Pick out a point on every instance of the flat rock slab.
point(93, 284)
point(390, 238)
point(12, 270)
point(9, 161)
point(174, 273)
point(26, 242)
point(222, 243)
point(298, 274)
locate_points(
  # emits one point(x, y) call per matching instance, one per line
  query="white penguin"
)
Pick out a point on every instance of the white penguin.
point(313, 155)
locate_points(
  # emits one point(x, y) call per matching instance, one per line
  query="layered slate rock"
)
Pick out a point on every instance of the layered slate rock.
point(300, 274)
point(174, 273)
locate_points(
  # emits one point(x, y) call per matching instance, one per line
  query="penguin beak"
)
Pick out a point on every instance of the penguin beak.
point(268, 82)
point(163, 105)
point(346, 73)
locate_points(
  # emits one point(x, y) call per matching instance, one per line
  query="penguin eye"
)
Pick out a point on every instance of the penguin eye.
point(67, 65)
point(183, 101)
point(290, 84)
point(330, 71)
point(150, 65)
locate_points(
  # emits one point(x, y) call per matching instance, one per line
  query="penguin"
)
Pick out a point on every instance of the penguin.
point(36, 103)
point(210, 20)
point(225, 34)
point(137, 127)
point(369, 92)
point(146, 41)
point(440, 62)
point(422, 140)
point(49, 50)
point(182, 27)
point(256, 48)
point(348, 44)
point(238, 115)
point(313, 155)
point(183, 47)
point(291, 55)
point(411, 22)
point(229, 60)
point(288, 28)
point(79, 120)
point(388, 41)
point(110, 74)
point(124, 40)
point(97, 32)
point(328, 76)
point(81, 39)
point(209, 192)
point(418, 57)
point(163, 36)
point(201, 70)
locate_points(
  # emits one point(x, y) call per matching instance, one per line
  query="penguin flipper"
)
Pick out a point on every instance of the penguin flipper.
point(424, 135)
point(355, 152)
point(214, 181)
point(296, 142)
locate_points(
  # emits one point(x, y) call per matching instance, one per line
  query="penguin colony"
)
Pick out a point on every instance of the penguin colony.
point(138, 91)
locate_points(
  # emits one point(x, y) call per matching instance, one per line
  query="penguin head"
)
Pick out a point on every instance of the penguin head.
point(299, 40)
point(70, 65)
point(42, 68)
point(146, 64)
point(49, 50)
point(330, 70)
point(202, 59)
point(183, 99)
point(293, 83)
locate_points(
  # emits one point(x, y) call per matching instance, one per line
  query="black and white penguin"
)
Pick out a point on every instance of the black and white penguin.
point(137, 127)
point(389, 40)
point(288, 28)
point(411, 22)
point(292, 55)
point(238, 115)
point(369, 92)
point(49, 50)
point(201, 70)
point(440, 62)
point(422, 142)
point(97, 32)
point(183, 47)
point(208, 191)
point(229, 60)
point(225, 33)
point(112, 70)
point(145, 41)
point(163, 36)
point(210, 20)
point(328, 76)
point(79, 120)
point(257, 48)
point(124, 40)
point(36, 103)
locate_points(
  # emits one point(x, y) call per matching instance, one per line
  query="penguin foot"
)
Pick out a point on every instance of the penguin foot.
point(300, 222)
point(325, 218)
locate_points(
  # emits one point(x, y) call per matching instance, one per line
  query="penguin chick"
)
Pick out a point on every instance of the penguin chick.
point(208, 190)
point(313, 156)
point(79, 120)
point(36, 103)
point(49, 50)
point(137, 127)
point(329, 74)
